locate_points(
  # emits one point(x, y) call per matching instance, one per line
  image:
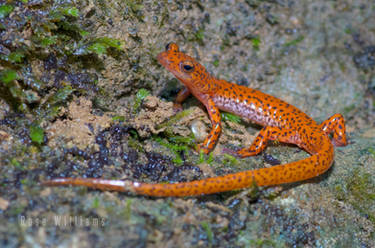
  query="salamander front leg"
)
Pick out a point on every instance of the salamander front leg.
point(265, 134)
point(210, 141)
point(335, 124)
point(181, 96)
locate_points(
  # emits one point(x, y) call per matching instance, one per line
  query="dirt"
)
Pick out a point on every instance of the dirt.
point(78, 125)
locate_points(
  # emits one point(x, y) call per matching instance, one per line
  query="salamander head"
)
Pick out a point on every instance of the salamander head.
point(183, 67)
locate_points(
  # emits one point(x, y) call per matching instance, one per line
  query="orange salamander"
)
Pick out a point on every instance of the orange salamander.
point(282, 122)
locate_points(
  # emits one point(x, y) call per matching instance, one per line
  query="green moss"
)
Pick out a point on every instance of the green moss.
point(371, 150)
point(53, 31)
point(202, 158)
point(216, 62)
point(230, 160)
point(61, 95)
point(70, 11)
point(133, 9)
point(14, 57)
point(11, 90)
point(48, 41)
point(5, 10)
point(348, 30)
point(225, 116)
point(207, 228)
point(101, 45)
point(175, 118)
point(340, 193)
point(118, 118)
point(256, 43)
point(8, 76)
point(272, 19)
point(253, 3)
point(111, 42)
point(95, 202)
point(17, 210)
point(164, 17)
point(349, 108)
point(36, 134)
point(295, 41)
point(15, 163)
point(362, 186)
point(98, 48)
point(139, 97)
point(133, 141)
point(188, 141)
point(359, 191)
point(126, 211)
point(176, 144)
point(51, 108)
point(264, 243)
point(199, 36)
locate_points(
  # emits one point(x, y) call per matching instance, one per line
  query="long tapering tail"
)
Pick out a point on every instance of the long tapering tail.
point(280, 174)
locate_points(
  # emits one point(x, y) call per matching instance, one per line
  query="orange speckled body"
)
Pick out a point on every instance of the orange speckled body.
point(282, 122)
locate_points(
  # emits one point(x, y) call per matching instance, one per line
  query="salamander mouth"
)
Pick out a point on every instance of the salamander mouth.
point(163, 60)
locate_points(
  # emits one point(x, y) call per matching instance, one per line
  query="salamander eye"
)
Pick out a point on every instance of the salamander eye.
point(171, 47)
point(187, 66)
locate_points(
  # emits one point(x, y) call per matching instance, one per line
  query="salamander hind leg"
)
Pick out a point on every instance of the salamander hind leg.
point(265, 134)
point(335, 124)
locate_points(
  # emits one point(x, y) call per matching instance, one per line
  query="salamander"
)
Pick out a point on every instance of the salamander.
point(281, 122)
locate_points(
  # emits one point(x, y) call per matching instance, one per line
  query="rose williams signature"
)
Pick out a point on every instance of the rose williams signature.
point(62, 221)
